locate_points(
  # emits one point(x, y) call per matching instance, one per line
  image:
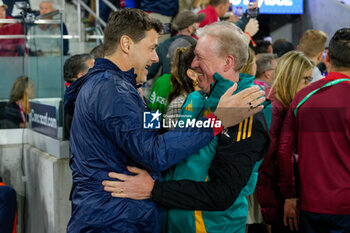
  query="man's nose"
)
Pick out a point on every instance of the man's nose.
point(155, 57)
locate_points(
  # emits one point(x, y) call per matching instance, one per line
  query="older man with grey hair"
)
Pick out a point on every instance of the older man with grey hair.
point(265, 69)
point(41, 44)
point(207, 192)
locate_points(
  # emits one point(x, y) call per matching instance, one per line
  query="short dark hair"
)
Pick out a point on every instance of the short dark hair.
point(131, 22)
point(74, 65)
point(282, 47)
point(97, 52)
point(215, 3)
point(339, 48)
point(262, 46)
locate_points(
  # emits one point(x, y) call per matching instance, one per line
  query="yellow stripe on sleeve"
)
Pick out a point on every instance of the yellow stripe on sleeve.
point(245, 129)
point(250, 127)
point(239, 132)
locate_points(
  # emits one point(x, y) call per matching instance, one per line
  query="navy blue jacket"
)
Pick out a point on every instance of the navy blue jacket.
point(8, 208)
point(163, 7)
point(107, 135)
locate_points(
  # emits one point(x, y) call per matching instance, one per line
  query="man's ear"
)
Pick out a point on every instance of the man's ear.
point(229, 62)
point(267, 74)
point(192, 74)
point(189, 29)
point(298, 47)
point(319, 56)
point(328, 60)
point(80, 74)
point(125, 43)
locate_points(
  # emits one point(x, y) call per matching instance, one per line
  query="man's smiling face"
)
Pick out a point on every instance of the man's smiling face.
point(143, 55)
point(206, 62)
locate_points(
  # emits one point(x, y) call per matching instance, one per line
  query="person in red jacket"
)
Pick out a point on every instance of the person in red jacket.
point(317, 125)
point(215, 9)
point(292, 73)
point(10, 47)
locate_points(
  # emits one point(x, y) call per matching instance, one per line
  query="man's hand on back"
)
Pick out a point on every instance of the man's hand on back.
point(232, 109)
point(138, 187)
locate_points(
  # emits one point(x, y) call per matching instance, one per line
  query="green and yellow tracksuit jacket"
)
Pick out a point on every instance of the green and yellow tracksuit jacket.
point(207, 192)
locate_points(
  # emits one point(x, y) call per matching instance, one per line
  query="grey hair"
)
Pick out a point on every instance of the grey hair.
point(230, 40)
point(54, 5)
point(263, 63)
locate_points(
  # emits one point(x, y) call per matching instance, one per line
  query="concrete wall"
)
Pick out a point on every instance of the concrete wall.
point(47, 192)
point(11, 172)
point(42, 180)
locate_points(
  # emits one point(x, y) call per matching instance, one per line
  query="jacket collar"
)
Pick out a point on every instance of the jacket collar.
point(102, 63)
point(335, 75)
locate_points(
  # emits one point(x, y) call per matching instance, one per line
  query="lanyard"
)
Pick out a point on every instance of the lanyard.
point(332, 83)
point(22, 113)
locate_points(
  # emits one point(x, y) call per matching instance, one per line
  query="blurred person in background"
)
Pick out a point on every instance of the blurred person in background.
point(250, 66)
point(163, 10)
point(317, 126)
point(214, 10)
point(47, 46)
point(184, 81)
point(265, 72)
point(281, 47)
point(249, 71)
point(217, 9)
point(292, 73)
point(17, 110)
point(254, 215)
point(10, 47)
point(313, 44)
point(186, 24)
point(262, 46)
point(198, 5)
point(192, 5)
point(75, 67)
point(97, 52)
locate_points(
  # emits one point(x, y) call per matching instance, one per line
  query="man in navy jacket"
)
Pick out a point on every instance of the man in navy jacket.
point(107, 131)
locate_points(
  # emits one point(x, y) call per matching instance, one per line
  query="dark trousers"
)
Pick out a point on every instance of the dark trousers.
point(324, 223)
